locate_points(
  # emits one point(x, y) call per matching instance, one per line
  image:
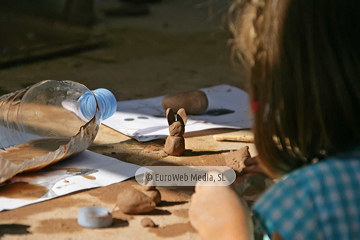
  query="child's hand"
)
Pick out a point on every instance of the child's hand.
point(216, 212)
point(252, 166)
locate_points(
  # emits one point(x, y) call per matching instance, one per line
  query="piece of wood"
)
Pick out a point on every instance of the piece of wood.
point(235, 137)
point(246, 137)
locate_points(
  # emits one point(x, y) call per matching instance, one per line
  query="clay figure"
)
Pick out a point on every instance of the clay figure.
point(138, 199)
point(132, 201)
point(150, 190)
point(154, 194)
point(175, 143)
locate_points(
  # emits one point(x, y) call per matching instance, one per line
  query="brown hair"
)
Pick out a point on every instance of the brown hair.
point(304, 60)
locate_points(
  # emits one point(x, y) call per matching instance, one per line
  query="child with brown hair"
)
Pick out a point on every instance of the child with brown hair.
point(304, 59)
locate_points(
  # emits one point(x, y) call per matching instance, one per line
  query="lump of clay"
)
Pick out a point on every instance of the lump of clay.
point(147, 222)
point(194, 102)
point(132, 201)
point(150, 190)
point(154, 194)
point(175, 143)
point(236, 159)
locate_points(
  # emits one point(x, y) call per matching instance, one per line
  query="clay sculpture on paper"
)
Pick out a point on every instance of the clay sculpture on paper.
point(175, 143)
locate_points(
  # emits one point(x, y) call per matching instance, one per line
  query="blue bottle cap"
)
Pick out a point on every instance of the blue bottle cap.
point(106, 101)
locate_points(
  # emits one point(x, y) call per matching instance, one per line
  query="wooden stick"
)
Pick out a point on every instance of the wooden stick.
point(248, 138)
point(235, 137)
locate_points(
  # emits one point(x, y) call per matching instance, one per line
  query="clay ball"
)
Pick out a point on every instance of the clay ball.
point(132, 201)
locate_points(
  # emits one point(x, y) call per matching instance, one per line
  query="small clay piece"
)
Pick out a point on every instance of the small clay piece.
point(132, 201)
point(154, 194)
point(148, 185)
point(236, 159)
point(150, 190)
point(194, 102)
point(175, 143)
point(147, 222)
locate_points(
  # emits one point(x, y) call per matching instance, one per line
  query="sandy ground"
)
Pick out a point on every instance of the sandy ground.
point(179, 46)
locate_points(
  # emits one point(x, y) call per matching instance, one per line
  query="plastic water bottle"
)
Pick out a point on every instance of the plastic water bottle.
point(48, 122)
point(51, 109)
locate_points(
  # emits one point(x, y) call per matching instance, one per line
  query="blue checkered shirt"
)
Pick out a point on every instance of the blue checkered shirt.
point(319, 201)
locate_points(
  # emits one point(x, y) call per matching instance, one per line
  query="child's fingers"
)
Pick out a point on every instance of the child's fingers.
point(253, 169)
point(252, 166)
point(251, 161)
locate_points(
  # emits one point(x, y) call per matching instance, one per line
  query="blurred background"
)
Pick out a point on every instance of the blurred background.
point(135, 48)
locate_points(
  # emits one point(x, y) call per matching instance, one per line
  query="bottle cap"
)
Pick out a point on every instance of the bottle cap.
point(94, 217)
point(106, 101)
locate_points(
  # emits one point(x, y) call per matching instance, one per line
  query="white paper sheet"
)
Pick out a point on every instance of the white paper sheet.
point(62, 179)
point(145, 119)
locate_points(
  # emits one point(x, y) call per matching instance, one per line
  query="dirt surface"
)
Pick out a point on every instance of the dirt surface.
point(173, 230)
point(58, 216)
point(180, 46)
